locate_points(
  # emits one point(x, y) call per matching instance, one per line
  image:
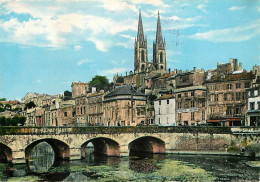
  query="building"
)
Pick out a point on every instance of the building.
point(191, 105)
point(79, 88)
point(81, 110)
point(227, 98)
point(190, 78)
point(95, 108)
point(124, 106)
point(165, 110)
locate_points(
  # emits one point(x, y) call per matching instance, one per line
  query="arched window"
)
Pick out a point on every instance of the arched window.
point(142, 67)
point(161, 67)
point(161, 57)
point(142, 56)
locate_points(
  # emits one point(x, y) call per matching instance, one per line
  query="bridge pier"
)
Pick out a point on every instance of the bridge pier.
point(18, 156)
point(75, 153)
point(124, 151)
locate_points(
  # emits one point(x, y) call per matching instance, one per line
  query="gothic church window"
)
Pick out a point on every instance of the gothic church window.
point(161, 57)
point(142, 56)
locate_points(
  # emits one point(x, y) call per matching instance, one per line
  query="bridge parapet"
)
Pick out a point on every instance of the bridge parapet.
point(117, 130)
point(246, 130)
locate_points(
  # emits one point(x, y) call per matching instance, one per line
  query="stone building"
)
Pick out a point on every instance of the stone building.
point(191, 105)
point(81, 110)
point(227, 98)
point(122, 109)
point(95, 108)
point(191, 78)
point(165, 110)
point(79, 88)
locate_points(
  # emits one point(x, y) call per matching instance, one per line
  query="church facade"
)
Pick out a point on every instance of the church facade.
point(144, 69)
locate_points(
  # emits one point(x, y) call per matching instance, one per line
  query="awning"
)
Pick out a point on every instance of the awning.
point(214, 120)
point(234, 119)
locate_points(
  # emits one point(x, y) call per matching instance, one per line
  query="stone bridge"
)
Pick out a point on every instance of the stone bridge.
point(16, 143)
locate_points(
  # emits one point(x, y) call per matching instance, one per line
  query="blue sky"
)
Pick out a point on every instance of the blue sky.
point(46, 45)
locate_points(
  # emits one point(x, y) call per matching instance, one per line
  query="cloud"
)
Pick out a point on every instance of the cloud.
point(112, 71)
point(128, 37)
point(236, 8)
point(77, 47)
point(202, 7)
point(236, 34)
point(158, 3)
point(58, 26)
point(84, 61)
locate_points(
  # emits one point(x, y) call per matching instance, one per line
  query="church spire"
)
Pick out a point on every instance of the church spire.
point(140, 33)
point(159, 39)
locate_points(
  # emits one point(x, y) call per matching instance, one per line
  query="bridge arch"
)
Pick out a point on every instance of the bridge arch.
point(6, 154)
point(102, 145)
point(61, 149)
point(147, 144)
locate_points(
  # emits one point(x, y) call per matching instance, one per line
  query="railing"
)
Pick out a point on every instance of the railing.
point(126, 129)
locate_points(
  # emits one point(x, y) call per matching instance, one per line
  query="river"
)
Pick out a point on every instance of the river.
point(153, 167)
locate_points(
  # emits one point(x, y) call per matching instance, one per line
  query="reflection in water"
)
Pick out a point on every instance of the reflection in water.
point(41, 158)
point(155, 167)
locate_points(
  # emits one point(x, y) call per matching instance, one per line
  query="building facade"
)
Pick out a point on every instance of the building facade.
point(191, 105)
point(253, 110)
point(79, 88)
point(164, 108)
point(227, 98)
point(124, 106)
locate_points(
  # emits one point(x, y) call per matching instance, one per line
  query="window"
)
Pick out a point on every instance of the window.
point(179, 116)
point(159, 102)
point(168, 101)
point(238, 95)
point(258, 105)
point(186, 94)
point(192, 104)
point(229, 86)
point(212, 110)
point(161, 57)
point(243, 95)
point(238, 85)
point(238, 110)
point(232, 96)
point(204, 94)
point(252, 105)
point(159, 111)
point(216, 97)
point(65, 114)
point(179, 105)
point(159, 119)
point(192, 116)
point(212, 98)
point(247, 84)
point(203, 103)
point(179, 95)
point(229, 110)
point(225, 96)
point(142, 59)
point(192, 93)
point(203, 115)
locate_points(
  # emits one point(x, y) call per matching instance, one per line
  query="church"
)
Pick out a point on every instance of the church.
point(143, 69)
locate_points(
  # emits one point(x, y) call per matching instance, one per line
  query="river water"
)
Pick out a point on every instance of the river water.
point(43, 167)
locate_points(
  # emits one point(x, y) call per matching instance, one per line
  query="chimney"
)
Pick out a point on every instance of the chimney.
point(125, 73)
point(176, 71)
point(194, 69)
point(169, 70)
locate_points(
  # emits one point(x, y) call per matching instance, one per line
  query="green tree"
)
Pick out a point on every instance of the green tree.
point(8, 106)
point(22, 120)
point(8, 121)
point(100, 82)
point(29, 105)
point(120, 79)
point(151, 98)
point(15, 120)
point(2, 99)
point(2, 121)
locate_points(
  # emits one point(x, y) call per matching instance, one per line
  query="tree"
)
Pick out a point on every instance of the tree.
point(22, 120)
point(120, 79)
point(29, 105)
point(67, 94)
point(2, 121)
point(151, 98)
point(100, 82)
point(2, 99)
point(8, 106)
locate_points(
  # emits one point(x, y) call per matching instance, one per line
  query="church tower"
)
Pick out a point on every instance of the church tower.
point(141, 53)
point(159, 48)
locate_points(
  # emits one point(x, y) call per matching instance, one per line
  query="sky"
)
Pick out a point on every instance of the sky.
point(46, 45)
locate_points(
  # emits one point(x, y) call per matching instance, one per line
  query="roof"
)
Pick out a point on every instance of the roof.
point(124, 90)
point(168, 96)
point(200, 87)
point(10, 102)
point(232, 77)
